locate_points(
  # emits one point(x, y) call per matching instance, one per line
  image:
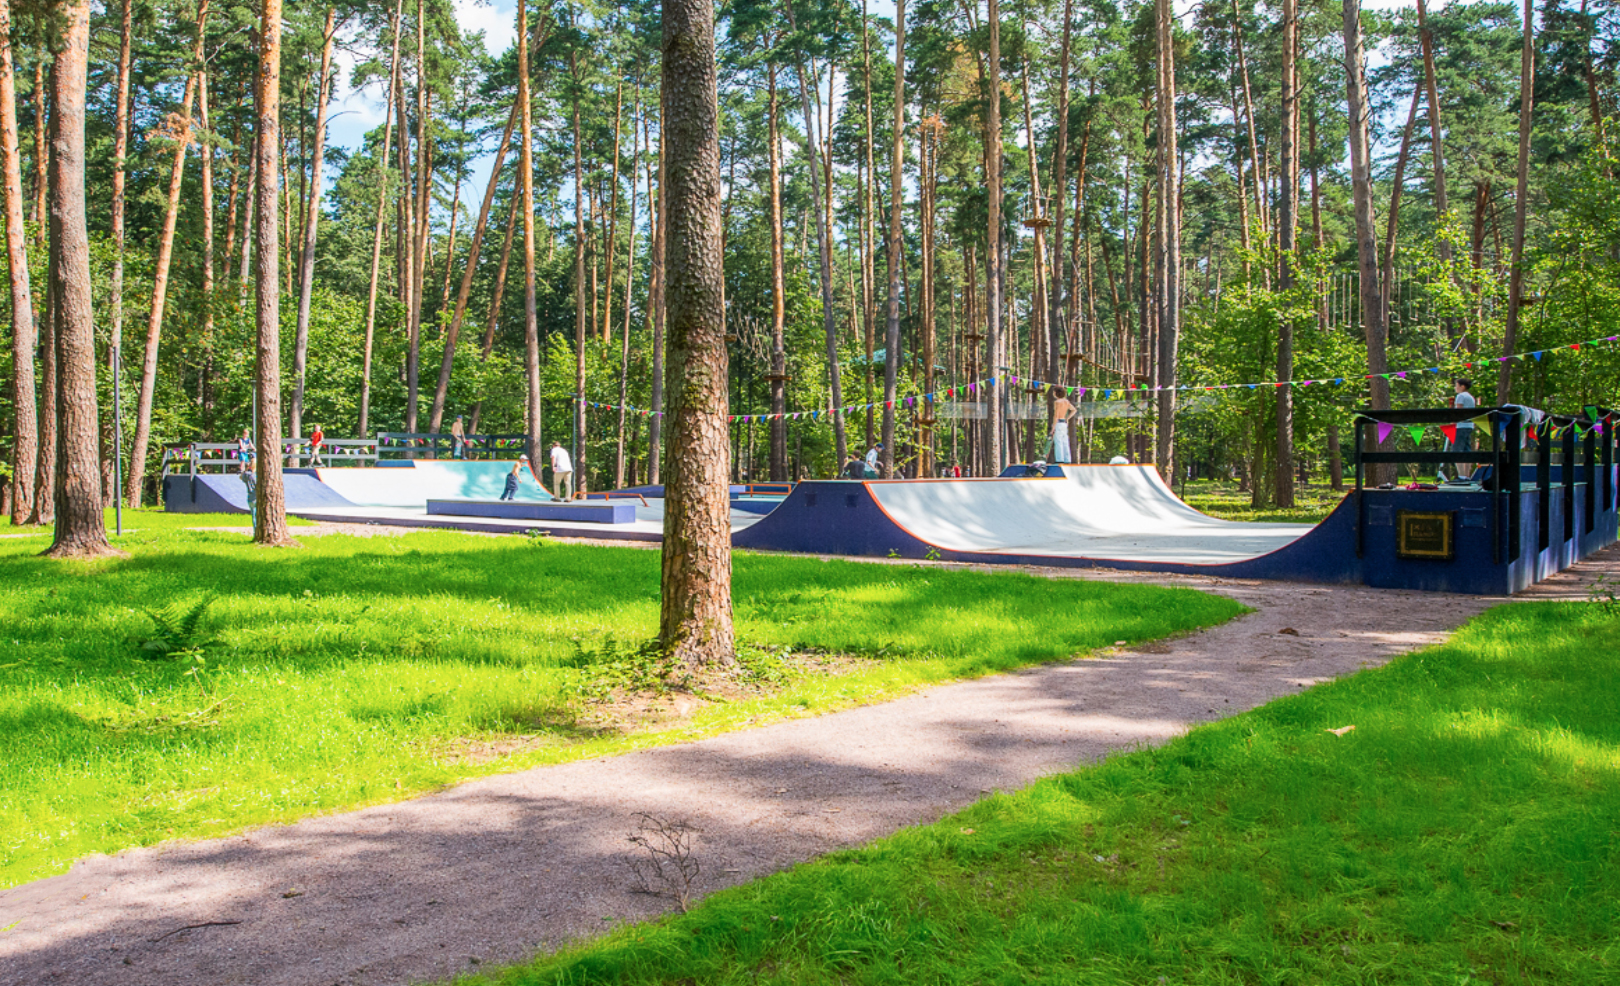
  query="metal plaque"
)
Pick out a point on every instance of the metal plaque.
point(1425, 534)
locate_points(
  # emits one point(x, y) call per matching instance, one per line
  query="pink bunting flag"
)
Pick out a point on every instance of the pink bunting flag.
point(1384, 428)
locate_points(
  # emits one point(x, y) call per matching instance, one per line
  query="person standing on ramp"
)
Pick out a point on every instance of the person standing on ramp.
point(1062, 411)
point(562, 472)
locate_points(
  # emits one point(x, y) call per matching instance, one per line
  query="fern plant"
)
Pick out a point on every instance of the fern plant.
point(177, 631)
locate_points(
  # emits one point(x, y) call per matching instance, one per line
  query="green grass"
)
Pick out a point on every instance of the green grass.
point(1224, 500)
point(347, 671)
point(1467, 831)
point(148, 520)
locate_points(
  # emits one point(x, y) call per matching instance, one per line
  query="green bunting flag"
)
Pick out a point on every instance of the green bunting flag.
point(1417, 434)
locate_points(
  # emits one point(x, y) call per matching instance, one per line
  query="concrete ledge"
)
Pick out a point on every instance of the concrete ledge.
point(595, 513)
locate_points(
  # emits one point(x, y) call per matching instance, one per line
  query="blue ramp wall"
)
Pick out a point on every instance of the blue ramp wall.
point(227, 494)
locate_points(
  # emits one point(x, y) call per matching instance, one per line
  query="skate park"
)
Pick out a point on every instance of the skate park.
point(1555, 504)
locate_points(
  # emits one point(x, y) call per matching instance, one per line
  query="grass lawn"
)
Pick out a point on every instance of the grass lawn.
point(1224, 500)
point(1467, 831)
point(357, 670)
point(149, 521)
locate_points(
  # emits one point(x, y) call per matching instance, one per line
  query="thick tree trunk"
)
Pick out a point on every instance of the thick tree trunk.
point(363, 427)
point(181, 134)
point(312, 216)
point(824, 245)
point(1287, 226)
point(25, 424)
point(695, 617)
point(442, 389)
point(778, 458)
point(1373, 313)
point(531, 318)
point(1521, 204)
point(270, 520)
point(80, 529)
point(896, 261)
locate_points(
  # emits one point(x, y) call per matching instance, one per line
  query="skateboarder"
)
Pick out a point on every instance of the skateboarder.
point(512, 479)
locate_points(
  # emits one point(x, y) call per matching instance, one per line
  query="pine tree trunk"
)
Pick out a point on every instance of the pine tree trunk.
point(1056, 322)
point(629, 278)
point(896, 262)
point(824, 245)
point(160, 279)
point(1521, 204)
point(80, 529)
point(1373, 312)
point(206, 158)
point(24, 339)
point(1287, 225)
point(695, 625)
point(1255, 161)
point(312, 216)
point(1397, 187)
point(579, 288)
point(612, 215)
point(659, 313)
point(417, 225)
point(115, 343)
point(364, 424)
point(531, 318)
point(42, 152)
point(270, 521)
point(778, 459)
point(868, 181)
point(496, 298)
point(442, 389)
point(994, 346)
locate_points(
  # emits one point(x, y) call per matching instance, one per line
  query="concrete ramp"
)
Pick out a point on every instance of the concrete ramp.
point(417, 481)
point(1103, 517)
point(227, 494)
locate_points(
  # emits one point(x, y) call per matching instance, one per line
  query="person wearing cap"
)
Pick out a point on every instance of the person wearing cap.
point(872, 457)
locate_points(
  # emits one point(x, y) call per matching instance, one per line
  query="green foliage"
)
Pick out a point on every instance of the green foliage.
point(359, 670)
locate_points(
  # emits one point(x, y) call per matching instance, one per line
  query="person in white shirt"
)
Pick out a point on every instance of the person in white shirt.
point(1465, 429)
point(872, 457)
point(562, 472)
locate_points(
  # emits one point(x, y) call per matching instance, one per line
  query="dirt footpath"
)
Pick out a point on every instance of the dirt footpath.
point(494, 869)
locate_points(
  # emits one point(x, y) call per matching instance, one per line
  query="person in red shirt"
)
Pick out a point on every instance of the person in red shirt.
point(316, 439)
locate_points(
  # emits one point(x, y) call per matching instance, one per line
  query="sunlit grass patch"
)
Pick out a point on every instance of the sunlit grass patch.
point(354, 670)
point(1463, 832)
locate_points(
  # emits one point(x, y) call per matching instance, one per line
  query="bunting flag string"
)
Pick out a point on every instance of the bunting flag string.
point(973, 390)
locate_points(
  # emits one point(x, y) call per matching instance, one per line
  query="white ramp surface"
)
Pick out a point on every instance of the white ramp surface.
point(1122, 513)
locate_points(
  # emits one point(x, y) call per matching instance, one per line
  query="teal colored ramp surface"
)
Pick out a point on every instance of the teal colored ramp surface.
point(424, 480)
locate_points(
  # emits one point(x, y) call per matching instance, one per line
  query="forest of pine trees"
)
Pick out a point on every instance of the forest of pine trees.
point(1239, 194)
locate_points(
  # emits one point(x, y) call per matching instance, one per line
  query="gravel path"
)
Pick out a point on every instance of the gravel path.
point(491, 870)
